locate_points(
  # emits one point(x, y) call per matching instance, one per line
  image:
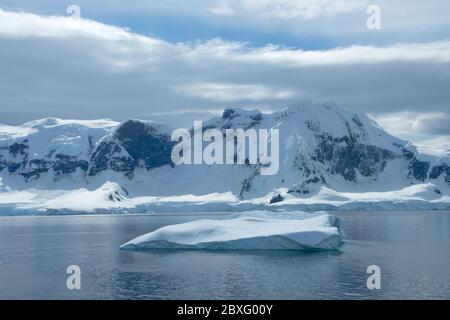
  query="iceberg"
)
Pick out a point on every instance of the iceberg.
point(245, 233)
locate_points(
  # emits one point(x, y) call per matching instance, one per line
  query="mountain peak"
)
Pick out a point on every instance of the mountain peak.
point(133, 128)
point(308, 108)
point(230, 113)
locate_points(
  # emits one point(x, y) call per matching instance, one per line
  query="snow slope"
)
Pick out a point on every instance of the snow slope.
point(244, 233)
point(112, 198)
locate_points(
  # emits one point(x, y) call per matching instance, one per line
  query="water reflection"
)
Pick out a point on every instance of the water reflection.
point(412, 250)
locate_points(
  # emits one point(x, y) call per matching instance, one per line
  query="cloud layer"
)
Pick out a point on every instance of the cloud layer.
point(306, 9)
point(77, 68)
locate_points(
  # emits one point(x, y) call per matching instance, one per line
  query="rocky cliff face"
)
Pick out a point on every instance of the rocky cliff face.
point(134, 144)
point(319, 145)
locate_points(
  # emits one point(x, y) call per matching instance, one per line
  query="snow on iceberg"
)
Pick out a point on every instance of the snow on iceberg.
point(245, 233)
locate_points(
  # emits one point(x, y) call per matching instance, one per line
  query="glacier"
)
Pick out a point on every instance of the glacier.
point(331, 159)
point(245, 233)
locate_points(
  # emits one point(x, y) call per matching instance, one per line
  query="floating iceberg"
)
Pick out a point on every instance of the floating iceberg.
point(245, 233)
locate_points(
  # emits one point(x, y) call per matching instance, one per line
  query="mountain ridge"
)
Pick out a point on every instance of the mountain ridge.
point(321, 146)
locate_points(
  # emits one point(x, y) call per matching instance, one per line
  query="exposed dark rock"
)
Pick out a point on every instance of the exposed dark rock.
point(247, 183)
point(419, 169)
point(257, 118)
point(65, 164)
point(134, 144)
point(229, 114)
point(345, 157)
point(437, 171)
point(125, 190)
point(107, 156)
point(115, 196)
point(277, 198)
point(248, 121)
point(35, 168)
point(408, 154)
point(307, 186)
point(18, 148)
point(13, 167)
point(144, 142)
point(3, 164)
point(300, 163)
point(299, 191)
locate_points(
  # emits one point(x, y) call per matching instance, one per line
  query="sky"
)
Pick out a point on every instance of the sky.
point(178, 61)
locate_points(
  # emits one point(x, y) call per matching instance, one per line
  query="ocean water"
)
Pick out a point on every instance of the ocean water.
point(412, 250)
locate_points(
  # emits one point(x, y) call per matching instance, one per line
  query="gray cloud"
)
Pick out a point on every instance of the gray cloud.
point(311, 23)
point(428, 129)
point(438, 124)
point(76, 68)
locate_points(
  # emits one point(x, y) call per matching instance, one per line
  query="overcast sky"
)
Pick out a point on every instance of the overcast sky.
point(179, 61)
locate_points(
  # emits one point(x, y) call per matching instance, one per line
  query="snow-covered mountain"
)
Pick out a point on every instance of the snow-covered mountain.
point(329, 158)
point(45, 152)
